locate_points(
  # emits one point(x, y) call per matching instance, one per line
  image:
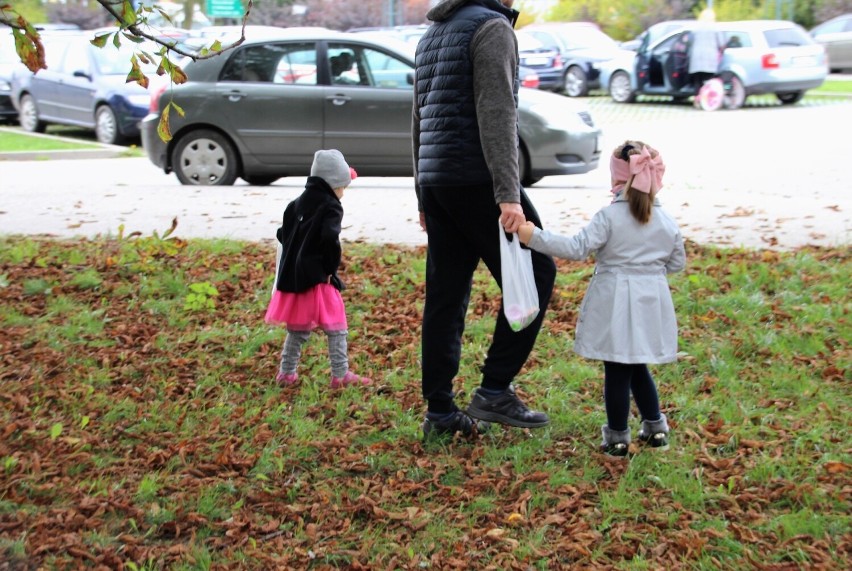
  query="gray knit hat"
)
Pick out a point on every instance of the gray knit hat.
point(332, 168)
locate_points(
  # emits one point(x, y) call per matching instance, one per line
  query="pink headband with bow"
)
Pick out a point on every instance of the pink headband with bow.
point(647, 171)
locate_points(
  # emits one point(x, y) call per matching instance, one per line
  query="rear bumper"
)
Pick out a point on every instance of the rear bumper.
point(154, 146)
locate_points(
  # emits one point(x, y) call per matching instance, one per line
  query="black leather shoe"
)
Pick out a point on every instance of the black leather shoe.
point(506, 408)
point(459, 422)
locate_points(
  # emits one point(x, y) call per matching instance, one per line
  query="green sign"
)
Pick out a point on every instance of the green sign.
point(225, 9)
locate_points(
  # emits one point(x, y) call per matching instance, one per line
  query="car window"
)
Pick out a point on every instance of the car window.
point(588, 37)
point(527, 42)
point(834, 27)
point(110, 60)
point(735, 39)
point(545, 39)
point(294, 63)
point(353, 64)
point(786, 37)
point(77, 59)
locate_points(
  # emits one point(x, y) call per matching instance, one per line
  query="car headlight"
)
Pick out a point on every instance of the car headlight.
point(5, 86)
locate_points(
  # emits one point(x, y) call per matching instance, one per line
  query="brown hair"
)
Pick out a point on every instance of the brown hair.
point(640, 203)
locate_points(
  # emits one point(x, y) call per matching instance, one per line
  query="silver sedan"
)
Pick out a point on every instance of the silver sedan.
point(260, 111)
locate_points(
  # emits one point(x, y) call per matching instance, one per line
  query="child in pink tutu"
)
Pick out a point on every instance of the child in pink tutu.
point(306, 295)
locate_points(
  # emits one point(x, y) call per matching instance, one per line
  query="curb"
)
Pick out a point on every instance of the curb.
point(95, 150)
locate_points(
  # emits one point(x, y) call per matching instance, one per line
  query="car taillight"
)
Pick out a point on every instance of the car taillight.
point(557, 61)
point(531, 80)
point(154, 106)
point(769, 61)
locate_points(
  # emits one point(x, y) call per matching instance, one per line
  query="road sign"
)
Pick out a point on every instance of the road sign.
point(225, 9)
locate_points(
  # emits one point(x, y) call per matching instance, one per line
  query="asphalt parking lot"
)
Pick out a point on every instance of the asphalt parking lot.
point(764, 176)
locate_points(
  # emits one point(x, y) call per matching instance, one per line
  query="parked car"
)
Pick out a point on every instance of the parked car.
point(582, 45)
point(757, 57)
point(260, 111)
point(9, 61)
point(835, 36)
point(83, 86)
point(545, 62)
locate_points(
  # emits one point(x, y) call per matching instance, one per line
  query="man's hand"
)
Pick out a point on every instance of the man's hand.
point(422, 221)
point(511, 216)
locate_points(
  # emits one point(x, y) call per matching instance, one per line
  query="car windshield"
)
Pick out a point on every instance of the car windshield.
point(786, 37)
point(590, 38)
point(527, 43)
point(116, 61)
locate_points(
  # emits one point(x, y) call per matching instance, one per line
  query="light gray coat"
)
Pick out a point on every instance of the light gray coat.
point(627, 315)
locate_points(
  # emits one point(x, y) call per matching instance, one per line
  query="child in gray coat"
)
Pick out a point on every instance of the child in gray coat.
point(627, 318)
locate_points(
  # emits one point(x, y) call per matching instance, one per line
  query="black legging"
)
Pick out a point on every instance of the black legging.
point(619, 381)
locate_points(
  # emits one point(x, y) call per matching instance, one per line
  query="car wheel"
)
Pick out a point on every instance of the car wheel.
point(28, 116)
point(790, 97)
point(524, 168)
point(260, 180)
point(620, 89)
point(106, 126)
point(576, 82)
point(735, 94)
point(205, 157)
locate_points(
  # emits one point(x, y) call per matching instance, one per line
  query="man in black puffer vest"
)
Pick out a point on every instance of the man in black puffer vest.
point(465, 139)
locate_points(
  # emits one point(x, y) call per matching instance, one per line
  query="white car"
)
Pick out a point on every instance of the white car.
point(756, 57)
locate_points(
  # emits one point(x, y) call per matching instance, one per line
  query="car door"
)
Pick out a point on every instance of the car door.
point(368, 109)
point(268, 94)
point(75, 90)
point(42, 85)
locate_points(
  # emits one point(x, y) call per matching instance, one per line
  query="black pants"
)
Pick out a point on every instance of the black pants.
point(619, 381)
point(462, 229)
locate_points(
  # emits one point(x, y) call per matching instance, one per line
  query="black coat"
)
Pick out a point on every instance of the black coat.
point(310, 239)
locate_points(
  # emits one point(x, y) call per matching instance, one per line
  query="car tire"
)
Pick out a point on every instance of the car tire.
point(524, 168)
point(206, 158)
point(28, 116)
point(735, 93)
point(260, 180)
point(790, 97)
point(576, 82)
point(106, 126)
point(620, 89)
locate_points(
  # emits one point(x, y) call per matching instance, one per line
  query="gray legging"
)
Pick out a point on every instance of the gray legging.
point(338, 351)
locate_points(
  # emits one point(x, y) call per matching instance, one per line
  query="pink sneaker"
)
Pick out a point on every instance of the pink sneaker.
point(286, 379)
point(349, 379)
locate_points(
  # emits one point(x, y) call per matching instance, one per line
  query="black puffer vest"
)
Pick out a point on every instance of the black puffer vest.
point(450, 149)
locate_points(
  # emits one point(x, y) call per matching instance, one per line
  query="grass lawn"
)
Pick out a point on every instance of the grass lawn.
point(141, 426)
point(12, 142)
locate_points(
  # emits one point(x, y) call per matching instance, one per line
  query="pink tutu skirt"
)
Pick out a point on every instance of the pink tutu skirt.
point(319, 307)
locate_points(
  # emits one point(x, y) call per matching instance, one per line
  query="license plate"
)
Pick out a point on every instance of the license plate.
point(536, 61)
point(804, 61)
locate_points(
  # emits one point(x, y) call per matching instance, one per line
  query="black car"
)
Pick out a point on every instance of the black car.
point(583, 47)
point(83, 86)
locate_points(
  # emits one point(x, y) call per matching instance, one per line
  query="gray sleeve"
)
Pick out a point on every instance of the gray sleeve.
point(494, 51)
point(577, 247)
point(677, 260)
point(415, 143)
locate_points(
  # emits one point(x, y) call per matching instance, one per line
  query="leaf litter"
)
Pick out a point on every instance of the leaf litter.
point(174, 446)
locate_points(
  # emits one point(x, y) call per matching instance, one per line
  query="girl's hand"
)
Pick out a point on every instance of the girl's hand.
point(525, 232)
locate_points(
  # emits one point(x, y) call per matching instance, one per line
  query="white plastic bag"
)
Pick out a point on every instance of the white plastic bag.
point(520, 296)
